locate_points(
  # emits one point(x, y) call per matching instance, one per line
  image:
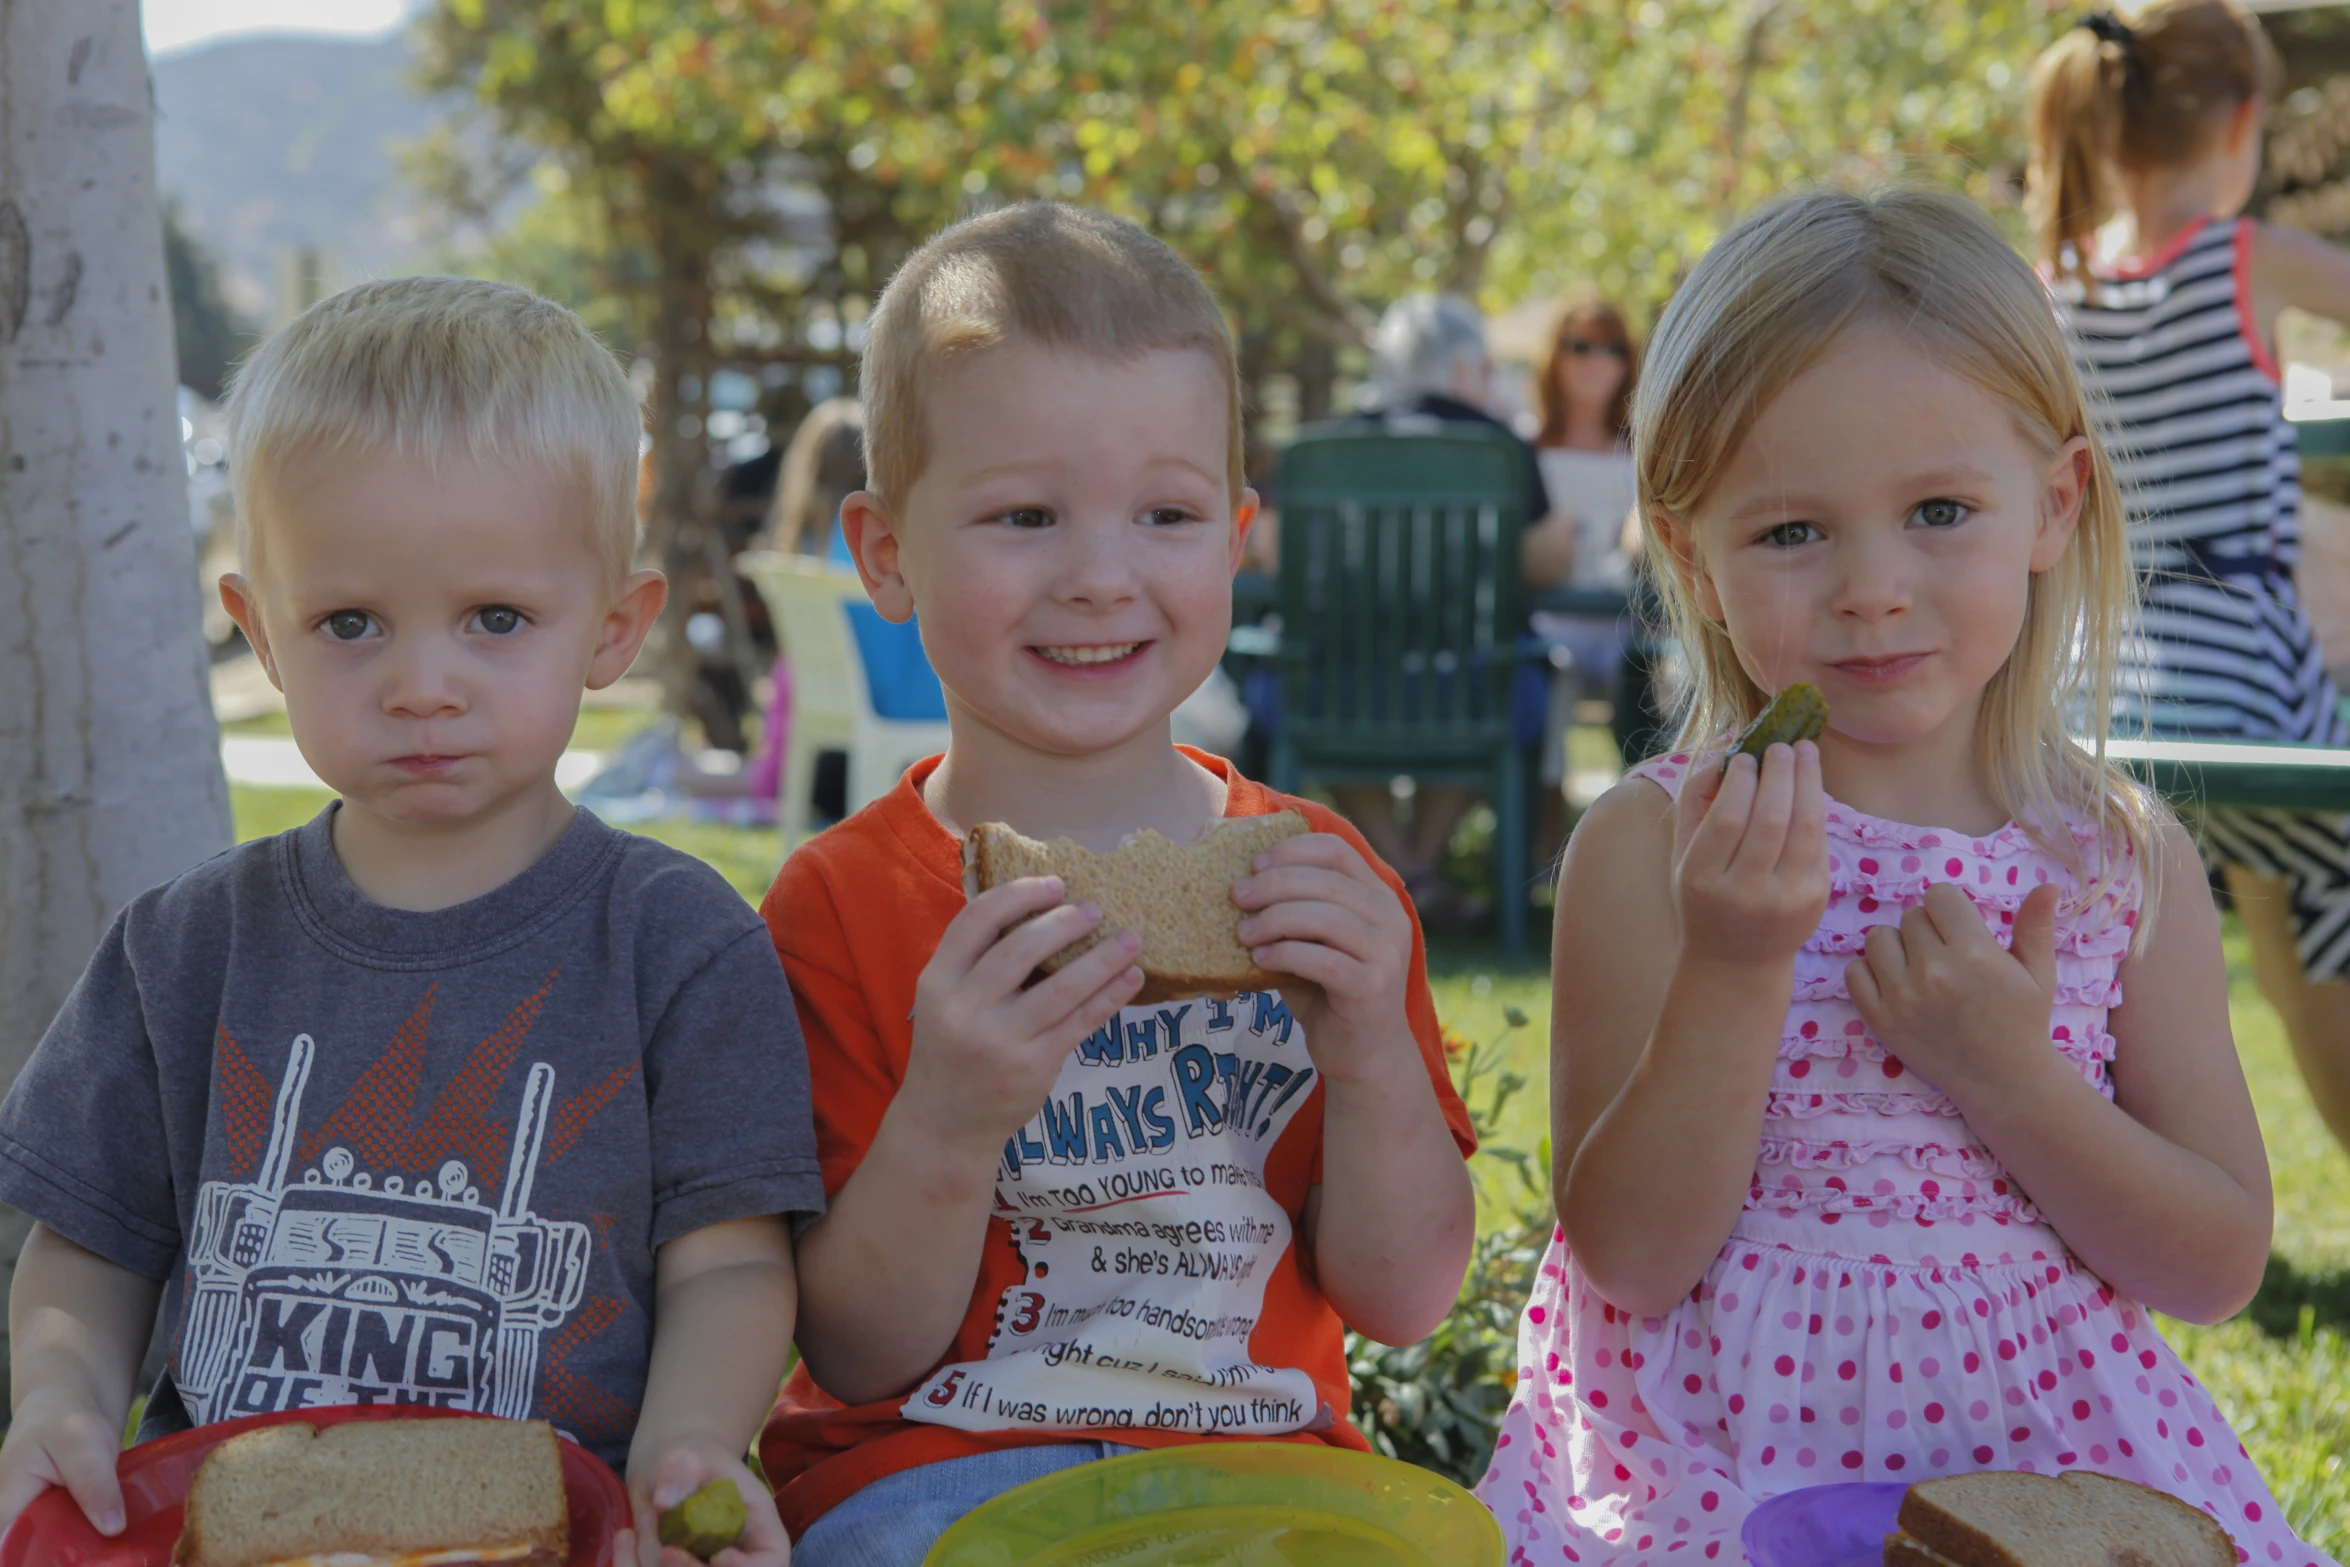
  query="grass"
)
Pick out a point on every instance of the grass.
point(2280, 1370)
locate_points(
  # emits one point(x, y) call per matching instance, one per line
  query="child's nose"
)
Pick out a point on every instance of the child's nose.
point(421, 682)
point(1877, 579)
point(1101, 567)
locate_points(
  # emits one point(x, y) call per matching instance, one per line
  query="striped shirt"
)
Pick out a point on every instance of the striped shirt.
point(2187, 394)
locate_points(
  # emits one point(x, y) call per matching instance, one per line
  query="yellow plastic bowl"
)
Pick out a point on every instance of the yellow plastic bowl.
point(1229, 1504)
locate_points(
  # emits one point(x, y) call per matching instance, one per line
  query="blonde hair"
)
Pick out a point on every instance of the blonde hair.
point(823, 466)
point(2106, 97)
point(1042, 272)
point(1764, 305)
point(415, 367)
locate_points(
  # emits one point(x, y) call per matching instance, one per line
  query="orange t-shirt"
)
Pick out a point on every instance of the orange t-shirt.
point(1139, 1282)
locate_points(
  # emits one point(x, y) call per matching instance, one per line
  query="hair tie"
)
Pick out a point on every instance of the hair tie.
point(2109, 28)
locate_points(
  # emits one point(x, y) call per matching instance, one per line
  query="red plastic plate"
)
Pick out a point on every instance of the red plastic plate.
point(155, 1477)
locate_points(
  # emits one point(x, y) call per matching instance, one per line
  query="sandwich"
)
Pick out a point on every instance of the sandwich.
point(380, 1493)
point(2077, 1519)
point(1177, 896)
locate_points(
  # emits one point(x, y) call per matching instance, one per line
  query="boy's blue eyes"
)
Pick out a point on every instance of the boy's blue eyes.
point(1943, 514)
point(1038, 517)
point(349, 625)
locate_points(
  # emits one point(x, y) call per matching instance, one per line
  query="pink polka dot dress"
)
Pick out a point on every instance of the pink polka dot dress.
point(1889, 1307)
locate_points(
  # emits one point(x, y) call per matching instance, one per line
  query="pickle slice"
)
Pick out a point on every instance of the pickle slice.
point(706, 1522)
point(1797, 713)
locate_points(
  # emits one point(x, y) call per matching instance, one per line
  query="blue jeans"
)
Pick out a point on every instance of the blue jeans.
point(897, 1519)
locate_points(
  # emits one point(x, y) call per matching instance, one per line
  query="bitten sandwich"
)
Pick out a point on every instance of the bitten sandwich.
point(380, 1493)
point(1178, 896)
point(2076, 1519)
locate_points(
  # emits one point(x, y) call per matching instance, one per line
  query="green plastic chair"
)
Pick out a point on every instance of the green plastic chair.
point(1401, 618)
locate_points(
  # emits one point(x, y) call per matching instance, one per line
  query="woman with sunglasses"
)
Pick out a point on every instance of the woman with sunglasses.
point(1583, 397)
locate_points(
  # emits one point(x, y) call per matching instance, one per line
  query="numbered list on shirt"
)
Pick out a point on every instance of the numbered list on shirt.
point(1137, 1200)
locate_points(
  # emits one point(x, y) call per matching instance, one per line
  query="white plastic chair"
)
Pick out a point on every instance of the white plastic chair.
point(832, 701)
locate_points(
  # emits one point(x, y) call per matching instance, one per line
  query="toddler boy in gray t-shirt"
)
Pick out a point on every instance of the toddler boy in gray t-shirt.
point(454, 1096)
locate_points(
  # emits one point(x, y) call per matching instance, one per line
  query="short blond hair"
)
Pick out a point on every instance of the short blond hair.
point(1768, 302)
point(1039, 272)
point(419, 366)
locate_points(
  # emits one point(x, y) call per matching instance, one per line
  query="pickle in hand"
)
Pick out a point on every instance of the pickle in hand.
point(1797, 713)
point(706, 1522)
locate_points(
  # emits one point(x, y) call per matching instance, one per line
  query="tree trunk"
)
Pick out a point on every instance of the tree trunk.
point(110, 775)
point(680, 405)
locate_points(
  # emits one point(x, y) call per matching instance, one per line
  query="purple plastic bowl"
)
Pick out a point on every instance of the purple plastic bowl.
point(1823, 1526)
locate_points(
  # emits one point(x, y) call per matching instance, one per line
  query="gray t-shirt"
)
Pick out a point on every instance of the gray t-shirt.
point(380, 1156)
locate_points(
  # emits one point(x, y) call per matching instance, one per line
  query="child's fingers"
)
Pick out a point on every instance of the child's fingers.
point(1048, 1007)
point(1318, 962)
point(1314, 884)
point(1329, 924)
point(85, 1467)
point(1020, 952)
point(982, 922)
point(1765, 838)
point(1887, 957)
point(1326, 849)
point(18, 1486)
point(1714, 838)
point(1806, 847)
point(1860, 986)
point(764, 1542)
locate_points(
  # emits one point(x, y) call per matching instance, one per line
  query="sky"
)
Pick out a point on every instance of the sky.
point(174, 25)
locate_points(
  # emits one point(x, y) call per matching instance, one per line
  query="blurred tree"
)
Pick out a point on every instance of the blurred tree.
point(1316, 157)
point(209, 335)
point(110, 778)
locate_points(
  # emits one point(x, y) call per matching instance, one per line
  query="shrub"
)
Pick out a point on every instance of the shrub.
point(1438, 1403)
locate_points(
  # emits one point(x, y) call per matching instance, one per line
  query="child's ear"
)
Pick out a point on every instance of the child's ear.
point(626, 625)
point(2064, 489)
point(1244, 517)
point(244, 607)
point(1686, 561)
point(872, 539)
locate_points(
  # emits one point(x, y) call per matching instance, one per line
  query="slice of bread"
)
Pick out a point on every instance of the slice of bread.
point(1178, 896)
point(2002, 1518)
point(380, 1493)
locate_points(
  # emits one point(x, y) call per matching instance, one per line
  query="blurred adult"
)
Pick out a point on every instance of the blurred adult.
point(1583, 399)
point(823, 466)
point(1429, 363)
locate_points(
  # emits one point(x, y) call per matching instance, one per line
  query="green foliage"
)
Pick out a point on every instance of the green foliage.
point(210, 336)
point(1439, 1403)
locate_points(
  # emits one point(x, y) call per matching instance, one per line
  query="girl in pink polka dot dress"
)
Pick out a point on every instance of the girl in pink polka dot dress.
point(1892, 1074)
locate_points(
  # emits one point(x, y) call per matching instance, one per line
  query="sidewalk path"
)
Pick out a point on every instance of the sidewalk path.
point(274, 762)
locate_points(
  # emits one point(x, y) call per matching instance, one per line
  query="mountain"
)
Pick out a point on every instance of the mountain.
point(272, 144)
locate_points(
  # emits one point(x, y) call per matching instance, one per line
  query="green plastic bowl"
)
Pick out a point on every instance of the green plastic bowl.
point(1229, 1504)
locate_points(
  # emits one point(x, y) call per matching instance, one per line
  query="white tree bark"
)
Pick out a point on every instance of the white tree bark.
point(110, 775)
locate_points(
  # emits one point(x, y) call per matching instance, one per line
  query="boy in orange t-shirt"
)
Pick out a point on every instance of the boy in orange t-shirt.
point(1063, 1227)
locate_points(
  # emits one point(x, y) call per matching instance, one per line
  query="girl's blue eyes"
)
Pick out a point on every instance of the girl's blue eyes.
point(1932, 514)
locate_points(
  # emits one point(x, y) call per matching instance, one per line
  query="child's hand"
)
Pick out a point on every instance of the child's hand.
point(1317, 910)
point(1750, 856)
point(679, 1475)
point(1940, 993)
point(985, 1051)
point(54, 1441)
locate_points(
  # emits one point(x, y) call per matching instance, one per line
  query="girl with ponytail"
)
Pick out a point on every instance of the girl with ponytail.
point(2146, 142)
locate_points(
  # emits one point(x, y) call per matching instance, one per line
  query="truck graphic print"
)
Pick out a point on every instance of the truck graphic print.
point(339, 1290)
